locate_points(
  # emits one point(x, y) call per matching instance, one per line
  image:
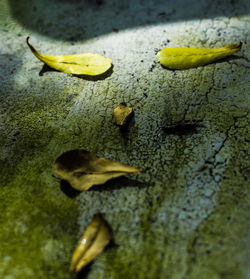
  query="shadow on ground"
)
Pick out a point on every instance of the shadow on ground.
point(111, 185)
point(75, 20)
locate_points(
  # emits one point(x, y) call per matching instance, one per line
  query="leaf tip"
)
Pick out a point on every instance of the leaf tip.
point(72, 267)
point(30, 46)
point(235, 47)
point(27, 40)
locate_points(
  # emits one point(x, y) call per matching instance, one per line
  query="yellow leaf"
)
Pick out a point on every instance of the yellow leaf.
point(179, 58)
point(94, 239)
point(77, 64)
point(83, 169)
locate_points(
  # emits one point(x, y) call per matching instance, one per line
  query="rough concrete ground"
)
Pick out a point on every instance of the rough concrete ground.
point(187, 215)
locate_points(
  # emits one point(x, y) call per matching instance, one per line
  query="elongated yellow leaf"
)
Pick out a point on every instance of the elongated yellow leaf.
point(94, 239)
point(83, 169)
point(77, 64)
point(179, 58)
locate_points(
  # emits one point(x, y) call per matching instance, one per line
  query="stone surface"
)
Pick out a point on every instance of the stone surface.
point(187, 215)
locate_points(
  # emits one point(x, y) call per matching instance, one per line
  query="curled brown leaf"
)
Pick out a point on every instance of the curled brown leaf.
point(183, 127)
point(83, 169)
point(95, 238)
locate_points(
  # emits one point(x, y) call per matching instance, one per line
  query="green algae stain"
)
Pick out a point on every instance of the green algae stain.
point(118, 267)
point(130, 262)
point(39, 227)
point(38, 222)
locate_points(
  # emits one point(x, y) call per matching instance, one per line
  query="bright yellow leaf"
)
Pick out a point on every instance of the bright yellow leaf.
point(179, 58)
point(78, 64)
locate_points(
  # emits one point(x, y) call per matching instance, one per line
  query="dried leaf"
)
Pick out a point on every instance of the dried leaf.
point(183, 123)
point(83, 169)
point(179, 58)
point(183, 127)
point(78, 64)
point(122, 114)
point(94, 239)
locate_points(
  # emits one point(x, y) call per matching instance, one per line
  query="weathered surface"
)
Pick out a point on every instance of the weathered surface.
point(187, 215)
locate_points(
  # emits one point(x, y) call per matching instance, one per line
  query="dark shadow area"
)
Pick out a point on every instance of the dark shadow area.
point(83, 274)
point(68, 190)
point(103, 76)
point(119, 183)
point(75, 20)
point(10, 64)
point(111, 185)
point(125, 130)
point(46, 69)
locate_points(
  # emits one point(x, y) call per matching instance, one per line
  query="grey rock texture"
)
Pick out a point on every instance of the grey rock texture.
point(187, 215)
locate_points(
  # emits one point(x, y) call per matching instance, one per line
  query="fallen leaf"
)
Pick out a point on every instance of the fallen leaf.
point(94, 239)
point(183, 127)
point(122, 114)
point(179, 58)
point(183, 123)
point(83, 169)
point(77, 64)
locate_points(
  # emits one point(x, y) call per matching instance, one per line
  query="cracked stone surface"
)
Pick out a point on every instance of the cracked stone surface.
point(187, 215)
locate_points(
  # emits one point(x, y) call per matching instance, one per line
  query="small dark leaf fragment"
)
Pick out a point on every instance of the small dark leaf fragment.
point(183, 127)
point(122, 114)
